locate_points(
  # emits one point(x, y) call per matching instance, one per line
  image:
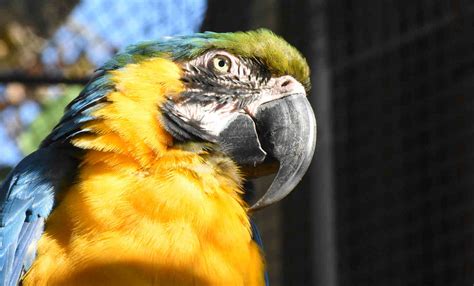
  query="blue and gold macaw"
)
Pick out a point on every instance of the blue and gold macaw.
point(140, 183)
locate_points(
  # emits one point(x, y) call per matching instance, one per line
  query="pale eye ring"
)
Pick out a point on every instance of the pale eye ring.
point(220, 64)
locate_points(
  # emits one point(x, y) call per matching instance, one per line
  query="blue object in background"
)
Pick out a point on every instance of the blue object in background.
point(9, 152)
point(99, 28)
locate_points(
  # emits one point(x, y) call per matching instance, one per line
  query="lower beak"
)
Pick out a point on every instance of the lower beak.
point(287, 131)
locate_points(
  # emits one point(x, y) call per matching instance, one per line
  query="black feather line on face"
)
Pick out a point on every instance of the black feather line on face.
point(214, 92)
point(183, 130)
point(205, 86)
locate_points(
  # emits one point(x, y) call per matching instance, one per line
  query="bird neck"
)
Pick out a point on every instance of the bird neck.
point(129, 123)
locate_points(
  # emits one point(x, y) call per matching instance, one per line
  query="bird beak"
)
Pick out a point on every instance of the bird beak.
point(286, 128)
point(279, 128)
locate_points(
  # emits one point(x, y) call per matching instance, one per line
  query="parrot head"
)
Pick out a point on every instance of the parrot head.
point(244, 92)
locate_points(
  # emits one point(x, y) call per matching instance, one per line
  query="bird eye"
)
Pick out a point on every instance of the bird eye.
point(220, 64)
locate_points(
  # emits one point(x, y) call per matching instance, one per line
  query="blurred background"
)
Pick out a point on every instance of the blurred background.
point(389, 199)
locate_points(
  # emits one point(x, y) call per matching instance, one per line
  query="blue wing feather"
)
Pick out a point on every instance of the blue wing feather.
point(80, 110)
point(26, 199)
point(249, 196)
point(258, 239)
point(25, 250)
point(27, 195)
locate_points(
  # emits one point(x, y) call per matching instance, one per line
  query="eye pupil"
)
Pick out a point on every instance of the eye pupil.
point(220, 64)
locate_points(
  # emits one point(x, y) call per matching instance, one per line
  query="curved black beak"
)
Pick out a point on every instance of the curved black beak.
point(287, 131)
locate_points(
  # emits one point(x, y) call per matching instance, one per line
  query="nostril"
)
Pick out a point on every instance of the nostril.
point(285, 83)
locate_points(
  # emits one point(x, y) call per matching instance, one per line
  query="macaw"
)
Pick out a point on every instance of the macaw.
point(140, 183)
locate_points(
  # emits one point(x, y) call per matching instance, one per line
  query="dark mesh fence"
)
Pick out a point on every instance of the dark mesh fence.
point(401, 79)
point(403, 124)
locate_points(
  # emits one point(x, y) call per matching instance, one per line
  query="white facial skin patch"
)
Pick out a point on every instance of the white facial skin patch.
point(221, 86)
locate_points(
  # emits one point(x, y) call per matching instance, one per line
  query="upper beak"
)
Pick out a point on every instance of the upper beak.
point(287, 131)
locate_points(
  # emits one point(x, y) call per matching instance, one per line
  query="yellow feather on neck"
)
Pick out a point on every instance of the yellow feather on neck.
point(130, 122)
point(145, 211)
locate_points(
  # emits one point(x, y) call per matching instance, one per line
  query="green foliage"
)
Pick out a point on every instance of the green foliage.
point(53, 109)
point(4, 170)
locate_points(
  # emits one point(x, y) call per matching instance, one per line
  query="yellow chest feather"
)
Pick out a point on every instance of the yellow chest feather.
point(178, 222)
